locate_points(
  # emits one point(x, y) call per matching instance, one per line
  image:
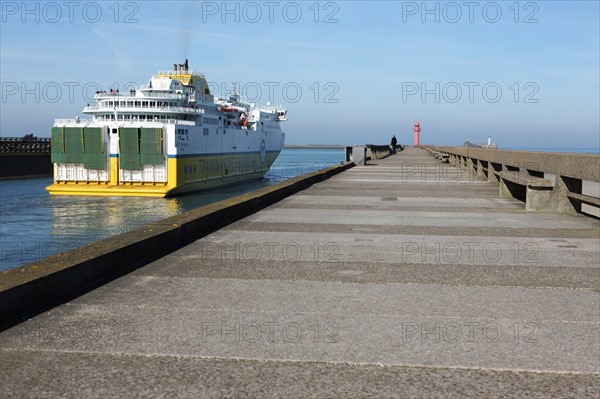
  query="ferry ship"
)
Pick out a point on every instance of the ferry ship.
point(169, 137)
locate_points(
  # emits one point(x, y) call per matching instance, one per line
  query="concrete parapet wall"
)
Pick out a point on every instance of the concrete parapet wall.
point(522, 175)
point(578, 166)
point(371, 151)
point(378, 151)
point(40, 285)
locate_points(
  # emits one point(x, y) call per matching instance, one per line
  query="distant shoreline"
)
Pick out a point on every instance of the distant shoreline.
point(315, 146)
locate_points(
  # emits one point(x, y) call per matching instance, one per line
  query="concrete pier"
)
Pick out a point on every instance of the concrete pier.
point(406, 277)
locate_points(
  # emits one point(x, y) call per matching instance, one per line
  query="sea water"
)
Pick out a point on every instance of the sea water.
point(34, 225)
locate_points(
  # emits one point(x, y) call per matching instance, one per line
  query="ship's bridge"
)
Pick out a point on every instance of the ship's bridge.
point(193, 82)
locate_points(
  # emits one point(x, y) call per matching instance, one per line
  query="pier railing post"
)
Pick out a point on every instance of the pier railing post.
point(494, 167)
point(480, 171)
point(539, 198)
point(563, 186)
point(470, 168)
point(511, 189)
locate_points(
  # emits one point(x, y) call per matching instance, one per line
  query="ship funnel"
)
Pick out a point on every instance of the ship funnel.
point(175, 67)
point(186, 64)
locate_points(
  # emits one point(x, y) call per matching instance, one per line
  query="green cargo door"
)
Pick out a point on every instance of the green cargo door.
point(151, 147)
point(73, 145)
point(93, 156)
point(129, 148)
point(57, 145)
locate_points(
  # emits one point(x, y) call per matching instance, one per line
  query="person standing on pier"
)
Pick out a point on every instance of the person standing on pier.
point(394, 143)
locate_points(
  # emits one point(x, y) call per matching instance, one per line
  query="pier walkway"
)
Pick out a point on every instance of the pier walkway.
point(406, 277)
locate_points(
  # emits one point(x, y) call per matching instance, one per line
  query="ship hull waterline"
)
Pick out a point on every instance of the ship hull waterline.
point(159, 189)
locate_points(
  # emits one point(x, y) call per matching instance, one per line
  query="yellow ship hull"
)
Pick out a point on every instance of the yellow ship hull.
point(184, 175)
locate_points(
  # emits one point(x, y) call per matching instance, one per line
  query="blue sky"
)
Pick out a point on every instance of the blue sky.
point(524, 73)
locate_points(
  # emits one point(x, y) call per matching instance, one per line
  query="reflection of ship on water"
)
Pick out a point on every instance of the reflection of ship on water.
point(87, 219)
point(169, 137)
point(489, 145)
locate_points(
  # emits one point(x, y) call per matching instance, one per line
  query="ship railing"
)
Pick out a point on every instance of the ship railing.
point(70, 121)
point(86, 122)
point(152, 123)
point(133, 96)
point(162, 93)
point(172, 72)
point(186, 110)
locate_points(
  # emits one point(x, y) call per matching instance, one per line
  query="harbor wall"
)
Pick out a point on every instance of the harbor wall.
point(25, 165)
point(37, 286)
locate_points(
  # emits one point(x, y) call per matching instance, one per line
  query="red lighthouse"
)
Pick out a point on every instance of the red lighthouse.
point(417, 130)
